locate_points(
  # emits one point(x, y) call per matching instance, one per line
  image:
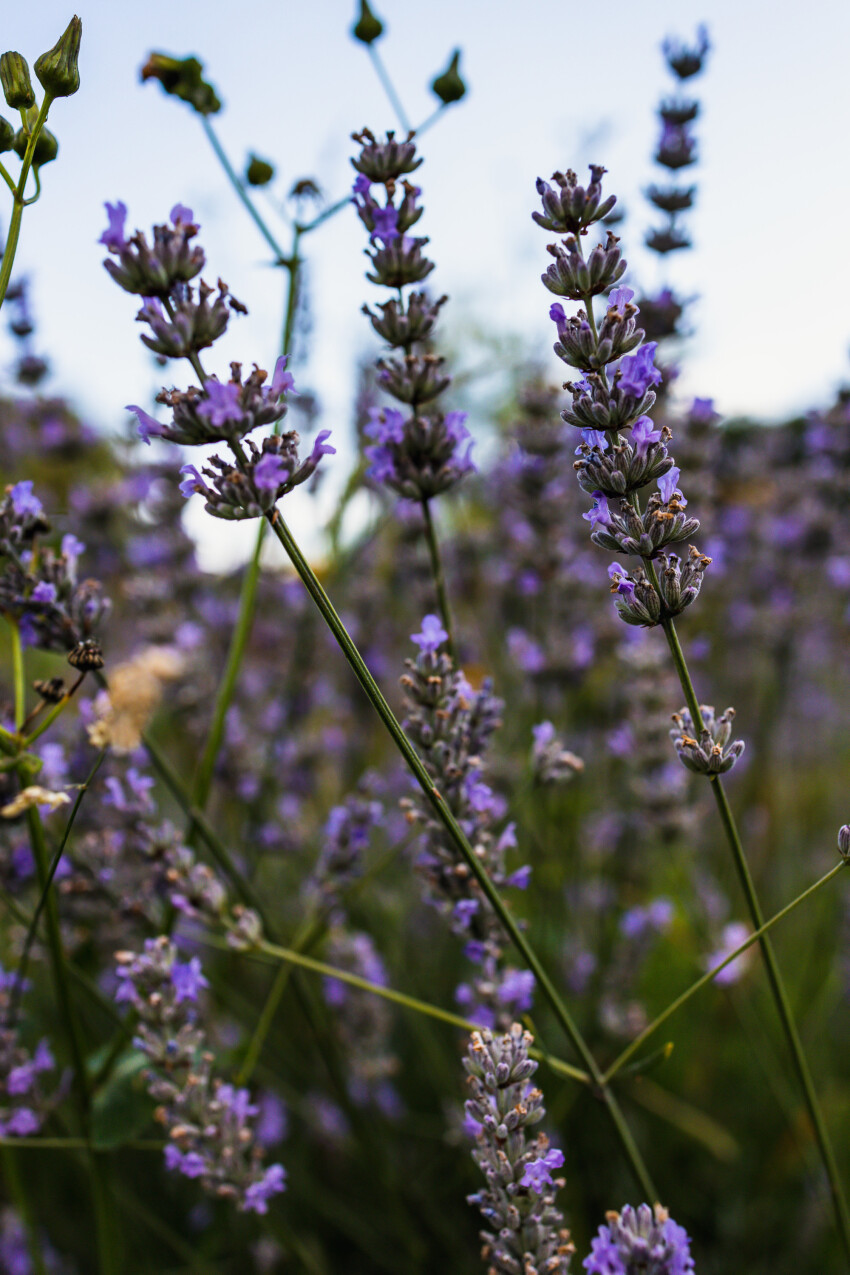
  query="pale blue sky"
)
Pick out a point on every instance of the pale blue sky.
point(552, 85)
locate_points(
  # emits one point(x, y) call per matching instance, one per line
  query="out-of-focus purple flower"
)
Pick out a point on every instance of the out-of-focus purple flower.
point(192, 482)
point(24, 503)
point(259, 1193)
point(732, 936)
point(619, 298)
point(516, 990)
point(148, 427)
point(113, 237)
point(432, 634)
point(44, 592)
point(188, 979)
point(385, 224)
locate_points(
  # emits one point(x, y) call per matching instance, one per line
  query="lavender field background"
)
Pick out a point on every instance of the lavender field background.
point(242, 950)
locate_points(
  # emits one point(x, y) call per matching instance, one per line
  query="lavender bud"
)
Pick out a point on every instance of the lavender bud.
point(269, 474)
point(153, 272)
point(385, 161)
point(570, 208)
point(420, 456)
point(709, 755)
point(685, 62)
point(196, 324)
point(844, 841)
point(402, 325)
point(416, 380)
point(399, 262)
point(671, 199)
point(577, 277)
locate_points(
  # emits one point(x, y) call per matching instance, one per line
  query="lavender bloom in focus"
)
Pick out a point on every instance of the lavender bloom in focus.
point(640, 1241)
point(525, 1233)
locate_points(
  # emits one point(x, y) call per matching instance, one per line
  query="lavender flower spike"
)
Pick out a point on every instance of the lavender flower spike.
point(518, 1202)
point(640, 1241)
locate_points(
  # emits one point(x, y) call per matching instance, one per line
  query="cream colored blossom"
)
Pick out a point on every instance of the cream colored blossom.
point(34, 796)
point(135, 690)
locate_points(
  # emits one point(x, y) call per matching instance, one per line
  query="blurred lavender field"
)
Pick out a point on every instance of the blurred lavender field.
point(248, 921)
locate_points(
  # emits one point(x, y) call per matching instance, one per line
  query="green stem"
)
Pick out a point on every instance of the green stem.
point(18, 675)
point(777, 985)
point(15, 997)
point(459, 839)
point(294, 957)
point(389, 87)
point(227, 686)
point(439, 577)
point(14, 231)
point(677, 1004)
point(237, 185)
point(105, 1247)
point(303, 940)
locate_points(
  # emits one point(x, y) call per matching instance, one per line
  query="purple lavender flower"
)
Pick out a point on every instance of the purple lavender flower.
point(638, 372)
point(667, 486)
point(432, 635)
point(148, 427)
point(538, 1173)
point(640, 1241)
point(222, 404)
point(24, 503)
point(113, 237)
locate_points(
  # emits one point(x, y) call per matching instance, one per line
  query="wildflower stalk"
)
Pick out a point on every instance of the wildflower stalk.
point(18, 678)
point(439, 577)
point(253, 213)
point(388, 87)
point(632, 1048)
point(432, 795)
point(18, 201)
point(294, 957)
point(777, 984)
point(730, 828)
point(100, 1199)
point(20, 975)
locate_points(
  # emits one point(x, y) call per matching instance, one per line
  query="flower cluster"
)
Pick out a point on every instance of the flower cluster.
point(421, 451)
point(641, 1241)
point(525, 1234)
point(450, 724)
point(210, 1124)
point(706, 751)
point(182, 322)
point(620, 452)
point(23, 1103)
point(363, 1021)
point(39, 587)
point(345, 837)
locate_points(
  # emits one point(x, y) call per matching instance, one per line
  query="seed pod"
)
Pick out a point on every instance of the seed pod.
point(368, 28)
point(449, 87)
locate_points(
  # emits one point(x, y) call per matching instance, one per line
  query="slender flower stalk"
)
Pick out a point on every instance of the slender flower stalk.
point(229, 412)
point(614, 395)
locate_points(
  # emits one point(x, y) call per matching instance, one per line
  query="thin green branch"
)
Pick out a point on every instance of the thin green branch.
point(18, 676)
point(20, 974)
point(293, 957)
point(238, 186)
point(14, 230)
point(459, 839)
point(677, 1004)
point(388, 87)
point(777, 985)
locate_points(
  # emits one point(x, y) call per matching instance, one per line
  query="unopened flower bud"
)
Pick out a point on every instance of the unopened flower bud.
point(183, 78)
point(449, 87)
point(15, 81)
point(58, 69)
point(46, 146)
point(7, 135)
point(258, 172)
point(368, 28)
point(86, 655)
point(844, 841)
